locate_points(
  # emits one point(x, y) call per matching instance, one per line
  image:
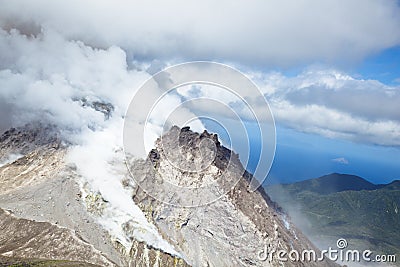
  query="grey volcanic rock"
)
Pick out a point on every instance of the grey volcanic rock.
point(234, 229)
point(25, 139)
point(23, 238)
point(43, 213)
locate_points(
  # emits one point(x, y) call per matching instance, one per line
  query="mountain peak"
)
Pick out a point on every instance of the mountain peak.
point(192, 151)
point(229, 223)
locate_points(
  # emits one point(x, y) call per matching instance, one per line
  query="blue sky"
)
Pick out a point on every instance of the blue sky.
point(384, 66)
point(302, 156)
point(304, 151)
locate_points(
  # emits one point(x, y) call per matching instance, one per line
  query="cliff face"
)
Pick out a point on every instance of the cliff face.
point(232, 230)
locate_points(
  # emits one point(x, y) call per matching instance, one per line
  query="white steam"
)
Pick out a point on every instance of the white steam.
point(9, 159)
point(52, 80)
point(100, 161)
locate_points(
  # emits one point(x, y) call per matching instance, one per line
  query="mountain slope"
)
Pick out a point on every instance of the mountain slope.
point(51, 215)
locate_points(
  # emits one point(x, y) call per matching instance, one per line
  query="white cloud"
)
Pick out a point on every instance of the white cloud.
point(322, 101)
point(277, 33)
point(341, 161)
point(334, 104)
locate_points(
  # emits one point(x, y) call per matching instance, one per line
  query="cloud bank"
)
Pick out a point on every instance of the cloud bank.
point(271, 33)
point(331, 103)
point(48, 76)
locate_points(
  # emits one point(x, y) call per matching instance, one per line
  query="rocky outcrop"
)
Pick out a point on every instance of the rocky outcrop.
point(233, 230)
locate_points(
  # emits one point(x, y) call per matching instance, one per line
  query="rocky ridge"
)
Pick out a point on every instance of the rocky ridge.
point(232, 230)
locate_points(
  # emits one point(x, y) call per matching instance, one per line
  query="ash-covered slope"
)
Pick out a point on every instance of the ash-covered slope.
point(30, 239)
point(233, 230)
point(45, 214)
point(40, 221)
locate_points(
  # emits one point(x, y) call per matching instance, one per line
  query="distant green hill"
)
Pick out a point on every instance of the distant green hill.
point(344, 206)
point(333, 183)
